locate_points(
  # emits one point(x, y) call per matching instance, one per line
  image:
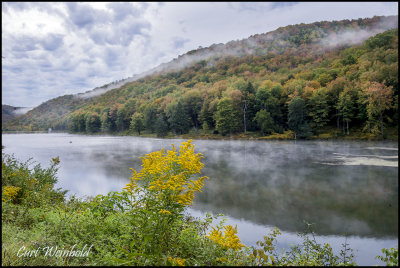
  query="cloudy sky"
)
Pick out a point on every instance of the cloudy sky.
point(51, 49)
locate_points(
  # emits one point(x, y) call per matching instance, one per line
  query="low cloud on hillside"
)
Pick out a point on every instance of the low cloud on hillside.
point(54, 48)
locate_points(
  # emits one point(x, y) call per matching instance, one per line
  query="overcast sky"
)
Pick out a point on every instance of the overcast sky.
point(51, 49)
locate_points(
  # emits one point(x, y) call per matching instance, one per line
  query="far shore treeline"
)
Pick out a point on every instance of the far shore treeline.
point(299, 81)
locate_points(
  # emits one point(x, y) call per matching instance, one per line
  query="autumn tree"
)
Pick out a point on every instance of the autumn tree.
point(78, 122)
point(318, 108)
point(324, 78)
point(137, 122)
point(379, 99)
point(346, 106)
point(382, 39)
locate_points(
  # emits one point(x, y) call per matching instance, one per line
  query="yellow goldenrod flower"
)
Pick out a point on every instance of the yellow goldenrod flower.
point(10, 192)
point(228, 240)
point(176, 261)
point(222, 260)
point(165, 211)
point(168, 176)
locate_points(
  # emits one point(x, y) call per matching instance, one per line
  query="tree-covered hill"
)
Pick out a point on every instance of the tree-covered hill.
point(306, 78)
point(7, 113)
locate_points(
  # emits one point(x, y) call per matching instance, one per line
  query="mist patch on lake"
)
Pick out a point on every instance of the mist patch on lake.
point(365, 160)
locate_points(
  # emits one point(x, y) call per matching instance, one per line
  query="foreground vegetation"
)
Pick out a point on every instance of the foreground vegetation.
point(144, 224)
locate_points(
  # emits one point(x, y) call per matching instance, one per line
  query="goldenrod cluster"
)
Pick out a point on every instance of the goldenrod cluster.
point(167, 175)
point(176, 261)
point(132, 187)
point(227, 240)
point(10, 192)
point(162, 211)
point(222, 260)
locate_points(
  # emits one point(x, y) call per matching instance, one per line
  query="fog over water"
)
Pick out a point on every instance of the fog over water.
point(341, 187)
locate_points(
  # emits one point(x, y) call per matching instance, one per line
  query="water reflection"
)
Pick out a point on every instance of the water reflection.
point(365, 249)
point(281, 184)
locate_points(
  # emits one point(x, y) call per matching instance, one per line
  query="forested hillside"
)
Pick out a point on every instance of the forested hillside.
point(301, 80)
point(7, 113)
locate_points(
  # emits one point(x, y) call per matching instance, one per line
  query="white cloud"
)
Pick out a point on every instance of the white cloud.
point(31, 22)
point(55, 48)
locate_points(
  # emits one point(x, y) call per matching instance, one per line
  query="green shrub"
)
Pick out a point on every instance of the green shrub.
point(31, 187)
point(287, 135)
point(391, 257)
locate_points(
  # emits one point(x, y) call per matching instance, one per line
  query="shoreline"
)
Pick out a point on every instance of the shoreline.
point(242, 136)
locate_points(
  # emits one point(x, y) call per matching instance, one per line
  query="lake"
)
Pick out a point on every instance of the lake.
point(344, 188)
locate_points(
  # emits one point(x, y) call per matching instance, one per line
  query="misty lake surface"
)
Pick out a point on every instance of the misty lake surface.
point(345, 188)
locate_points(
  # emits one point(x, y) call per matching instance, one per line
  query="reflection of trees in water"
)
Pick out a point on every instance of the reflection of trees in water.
point(278, 184)
point(357, 200)
point(115, 163)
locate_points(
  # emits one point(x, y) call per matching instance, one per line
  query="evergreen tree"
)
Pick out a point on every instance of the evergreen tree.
point(297, 118)
point(192, 105)
point(161, 126)
point(112, 118)
point(264, 121)
point(268, 100)
point(150, 116)
point(93, 123)
point(108, 120)
point(206, 115)
point(226, 117)
point(122, 122)
point(180, 120)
